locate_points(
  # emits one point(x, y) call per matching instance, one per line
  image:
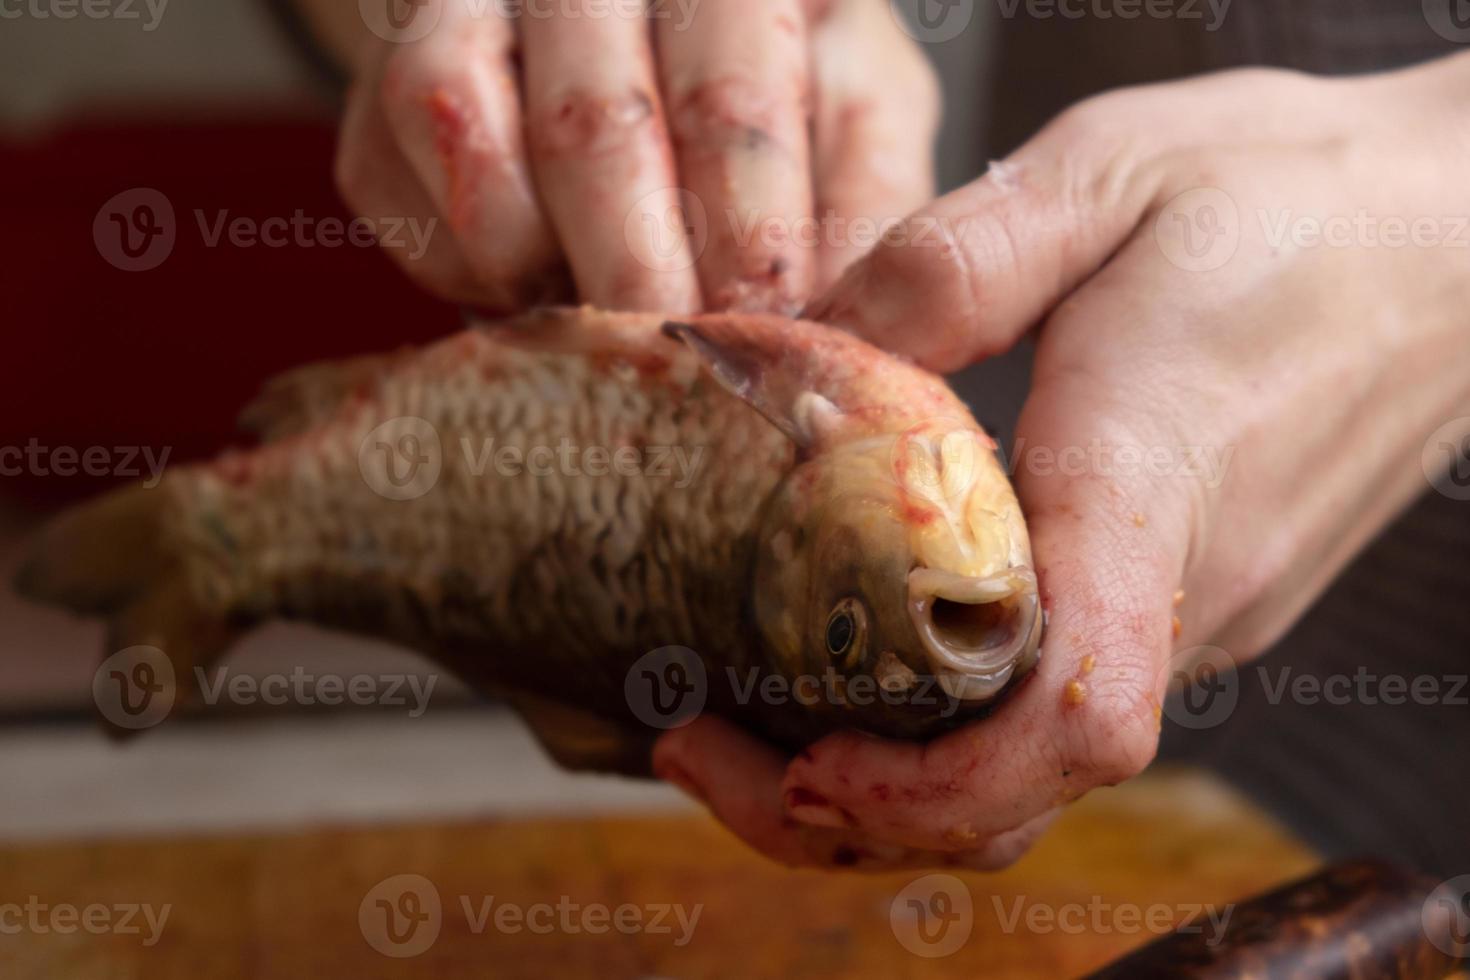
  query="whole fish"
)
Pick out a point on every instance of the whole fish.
point(790, 527)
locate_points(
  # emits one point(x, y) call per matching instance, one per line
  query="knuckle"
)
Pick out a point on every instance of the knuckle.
point(584, 122)
point(737, 110)
point(403, 71)
point(1114, 737)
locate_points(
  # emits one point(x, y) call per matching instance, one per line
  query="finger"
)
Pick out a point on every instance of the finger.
point(967, 275)
point(738, 88)
point(602, 159)
point(738, 777)
point(877, 113)
point(1110, 555)
point(378, 183)
point(451, 100)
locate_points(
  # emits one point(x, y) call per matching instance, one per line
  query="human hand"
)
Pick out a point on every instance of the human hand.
point(1254, 286)
point(553, 144)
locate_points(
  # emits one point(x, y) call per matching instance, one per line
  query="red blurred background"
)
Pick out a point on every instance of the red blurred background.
point(166, 358)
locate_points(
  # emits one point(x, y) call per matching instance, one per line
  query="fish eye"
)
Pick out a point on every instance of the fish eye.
point(845, 628)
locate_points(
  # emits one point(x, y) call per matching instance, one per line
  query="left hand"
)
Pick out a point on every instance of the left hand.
point(1261, 265)
point(716, 154)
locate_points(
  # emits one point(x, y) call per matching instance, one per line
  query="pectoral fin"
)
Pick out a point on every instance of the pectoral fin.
point(581, 740)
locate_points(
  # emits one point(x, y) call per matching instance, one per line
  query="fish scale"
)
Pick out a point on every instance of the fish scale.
point(303, 526)
point(795, 538)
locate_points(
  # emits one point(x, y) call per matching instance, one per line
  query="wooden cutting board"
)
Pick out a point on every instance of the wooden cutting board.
point(298, 905)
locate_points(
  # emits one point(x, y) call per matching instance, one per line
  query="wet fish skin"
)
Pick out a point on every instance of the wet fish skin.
point(547, 587)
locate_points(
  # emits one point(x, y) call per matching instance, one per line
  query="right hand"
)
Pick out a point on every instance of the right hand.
point(552, 145)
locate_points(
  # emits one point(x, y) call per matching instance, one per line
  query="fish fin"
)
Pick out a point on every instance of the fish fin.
point(580, 740)
point(110, 559)
point(817, 384)
point(303, 397)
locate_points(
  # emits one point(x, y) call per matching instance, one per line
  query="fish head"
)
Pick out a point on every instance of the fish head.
point(893, 561)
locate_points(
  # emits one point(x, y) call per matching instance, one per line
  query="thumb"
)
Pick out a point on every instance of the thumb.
point(966, 276)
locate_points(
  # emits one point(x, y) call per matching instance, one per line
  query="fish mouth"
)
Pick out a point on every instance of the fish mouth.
point(978, 633)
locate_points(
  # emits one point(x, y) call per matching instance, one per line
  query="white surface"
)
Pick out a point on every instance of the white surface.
point(343, 768)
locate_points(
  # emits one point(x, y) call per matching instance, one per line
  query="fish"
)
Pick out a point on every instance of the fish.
point(593, 516)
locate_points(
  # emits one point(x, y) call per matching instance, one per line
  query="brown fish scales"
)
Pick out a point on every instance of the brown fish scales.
point(547, 506)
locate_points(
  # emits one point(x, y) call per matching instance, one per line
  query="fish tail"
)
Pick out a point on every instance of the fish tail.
point(113, 559)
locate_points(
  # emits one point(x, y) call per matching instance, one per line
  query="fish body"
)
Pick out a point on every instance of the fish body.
point(572, 507)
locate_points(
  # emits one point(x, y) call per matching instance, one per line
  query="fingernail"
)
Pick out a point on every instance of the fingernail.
point(815, 810)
